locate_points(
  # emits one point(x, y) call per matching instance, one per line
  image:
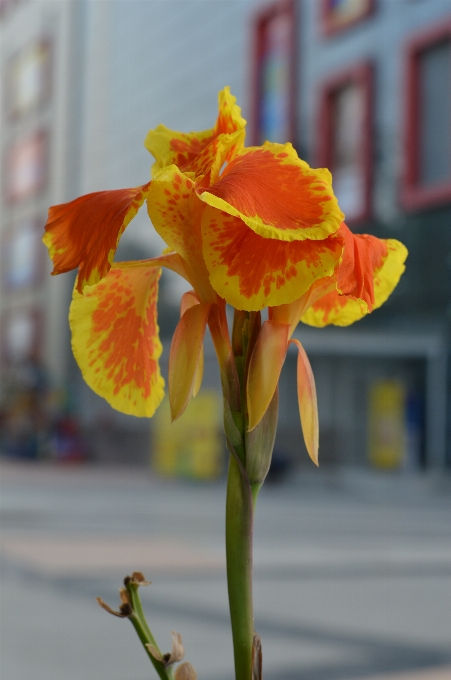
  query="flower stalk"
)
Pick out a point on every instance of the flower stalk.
point(251, 227)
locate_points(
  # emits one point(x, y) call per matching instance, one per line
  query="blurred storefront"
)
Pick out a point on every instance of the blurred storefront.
point(360, 86)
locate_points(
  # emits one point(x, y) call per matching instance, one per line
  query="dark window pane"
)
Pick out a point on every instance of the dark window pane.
point(435, 113)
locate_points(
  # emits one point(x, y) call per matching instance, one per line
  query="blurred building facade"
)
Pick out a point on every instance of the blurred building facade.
point(360, 86)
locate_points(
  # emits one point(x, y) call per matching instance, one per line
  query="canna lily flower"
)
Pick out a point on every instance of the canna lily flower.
point(253, 227)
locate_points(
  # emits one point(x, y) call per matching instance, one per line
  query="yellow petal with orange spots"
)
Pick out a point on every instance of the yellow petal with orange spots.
point(169, 147)
point(251, 272)
point(229, 113)
point(308, 406)
point(205, 167)
point(180, 148)
point(265, 366)
point(175, 211)
point(85, 232)
point(343, 310)
point(184, 357)
point(277, 194)
point(115, 337)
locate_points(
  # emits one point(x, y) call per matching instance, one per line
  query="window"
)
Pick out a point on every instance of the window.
point(22, 255)
point(273, 84)
point(427, 173)
point(21, 332)
point(345, 139)
point(337, 15)
point(28, 78)
point(26, 166)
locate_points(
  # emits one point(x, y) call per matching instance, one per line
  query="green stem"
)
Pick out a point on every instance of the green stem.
point(239, 525)
point(141, 626)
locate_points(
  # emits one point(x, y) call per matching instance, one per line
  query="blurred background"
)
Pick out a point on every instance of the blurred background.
point(360, 86)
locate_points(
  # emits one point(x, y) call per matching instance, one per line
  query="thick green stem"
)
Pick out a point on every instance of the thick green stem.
point(239, 525)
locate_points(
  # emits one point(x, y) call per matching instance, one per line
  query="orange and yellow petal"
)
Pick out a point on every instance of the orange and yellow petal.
point(184, 357)
point(229, 114)
point(251, 272)
point(277, 194)
point(266, 363)
point(170, 147)
point(175, 211)
point(207, 164)
point(343, 310)
point(115, 337)
point(308, 405)
point(85, 232)
point(362, 256)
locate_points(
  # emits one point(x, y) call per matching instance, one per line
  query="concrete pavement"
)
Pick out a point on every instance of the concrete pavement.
point(352, 574)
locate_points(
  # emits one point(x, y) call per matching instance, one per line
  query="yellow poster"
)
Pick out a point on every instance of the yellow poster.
point(387, 424)
point(192, 446)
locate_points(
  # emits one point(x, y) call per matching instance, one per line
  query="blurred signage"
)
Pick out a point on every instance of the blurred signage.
point(27, 166)
point(273, 86)
point(22, 255)
point(387, 424)
point(28, 78)
point(192, 445)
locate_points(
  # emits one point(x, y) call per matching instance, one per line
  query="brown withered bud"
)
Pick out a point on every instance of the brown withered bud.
point(257, 659)
point(169, 658)
point(136, 579)
point(125, 609)
point(185, 672)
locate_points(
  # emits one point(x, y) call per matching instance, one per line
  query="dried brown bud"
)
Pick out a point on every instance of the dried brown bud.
point(136, 579)
point(257, 659)
point(175, 655)
point(185, 672)
point(125, 610)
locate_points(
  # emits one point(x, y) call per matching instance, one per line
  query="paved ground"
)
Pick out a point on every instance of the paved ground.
point(352, 574)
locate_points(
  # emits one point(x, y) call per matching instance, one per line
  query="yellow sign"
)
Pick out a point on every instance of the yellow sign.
point(387, 424)
point(192, 446)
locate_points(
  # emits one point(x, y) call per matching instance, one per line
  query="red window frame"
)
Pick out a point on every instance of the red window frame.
point(415, 195)
point(329, 26)
point(259, 26)
point(361, 75)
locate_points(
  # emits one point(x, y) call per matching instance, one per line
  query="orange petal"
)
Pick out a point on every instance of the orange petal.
point(251, 272)
point(343, 310)
point(181, 148)
point(115, 337)
point(85, 232)
point(308, 406)
point(277, 194)
point(175, 211)
point(184, 357)
point(362, 256)
point(265, 365)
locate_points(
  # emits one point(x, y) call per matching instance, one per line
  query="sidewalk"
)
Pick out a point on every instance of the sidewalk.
point(352, 574)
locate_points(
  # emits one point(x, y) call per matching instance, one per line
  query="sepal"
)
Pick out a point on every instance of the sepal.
point(184, 357)
point(260, 443)
point(308, 406)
